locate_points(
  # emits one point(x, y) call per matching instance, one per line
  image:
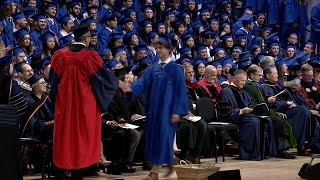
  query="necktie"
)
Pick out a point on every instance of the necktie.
point(162, 65)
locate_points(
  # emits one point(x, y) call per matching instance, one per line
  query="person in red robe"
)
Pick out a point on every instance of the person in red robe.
point(208, 83)
point(82, 89)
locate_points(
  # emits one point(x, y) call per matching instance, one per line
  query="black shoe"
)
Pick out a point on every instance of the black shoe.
point(147, 166)
point(285, 155)
point(127, 169)
point(114, 171)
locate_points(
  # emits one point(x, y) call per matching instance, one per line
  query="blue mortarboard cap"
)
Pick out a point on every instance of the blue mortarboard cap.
point(144, 23)
point(204, 10)
point(107, 16)
point(247, 19)
point(50, 4)
point(223, 2)
point(110, 63)
point(196, 26)
point(291, 62)
point(240, 35)
point(215, 49)
point(311, 42)
point(224, 61)
point(254, 46)
point(5, 60)
point(243, 64)
point(244, 56)
point(124, 20)
point(272, 37)
point(64, 19)
point(46, 35)
point(21, 32)
point(290, 45)
point(184, 37)
point(257, 58)
point(167, 13)
point(260, 13)
point(39, 65)
point(147, 7)
point(175, 24)
point(215, 63)
point(145, 61)
point(128, 11)
point(273, 43)
point(6, 2)
point(165, 40)
point(302, 57)
point(117, 12)
point(247, 8)
point(103, 51)
point(151, 35)
point(140, 48)
point(223, 14)
point(223, 24)
point(116, 50)
point(18, 16)
point(183, 59)
point(199, 61)
point(279, 62)
point(207, 33)
point(209, 4)
point(127, 36)
point(117, 36)
point(184, 50)
point(157, 24)
point(88, 20)
point(28, 11)
point(314, 61)
point(33, 79)
point(71, 4)
point(226, 36)
point(201, 47)
point(15, 51)
point(257, 40)
point(66, 39)
point(38, 16)
point(266, 27)
point(238, 46)
point(94, 33)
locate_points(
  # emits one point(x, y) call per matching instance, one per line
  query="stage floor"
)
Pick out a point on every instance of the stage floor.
point(269, 169)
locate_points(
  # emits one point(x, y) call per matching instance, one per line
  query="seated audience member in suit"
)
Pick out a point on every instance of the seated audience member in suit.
point(249, 123)
point(191, 135)
point(124, 141)
point(299, 116)
point(282, 135)
point(209, 83)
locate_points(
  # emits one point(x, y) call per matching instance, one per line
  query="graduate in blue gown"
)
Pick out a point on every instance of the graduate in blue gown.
point(165, 78)
point(241, 114)
point(299, 116)
point(315, 23)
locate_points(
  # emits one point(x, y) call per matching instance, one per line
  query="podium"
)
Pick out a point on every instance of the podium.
point(10, 155)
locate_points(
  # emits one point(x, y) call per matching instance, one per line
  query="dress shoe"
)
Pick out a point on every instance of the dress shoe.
point(128, 169)
point(285, 155)
point(147, 166)
point(303, 152)
point(151, 176)
point(114, 171)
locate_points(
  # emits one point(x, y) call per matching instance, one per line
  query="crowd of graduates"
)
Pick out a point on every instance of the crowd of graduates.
point(237, 53)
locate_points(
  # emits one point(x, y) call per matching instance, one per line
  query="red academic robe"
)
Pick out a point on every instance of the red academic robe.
point(205, 84)
point(81, 88)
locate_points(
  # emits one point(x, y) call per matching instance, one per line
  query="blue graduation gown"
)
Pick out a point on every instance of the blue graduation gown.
point(303, 21)
point(274, 12)
point(249, 124)
point(35, 34)
point(315, 22)
point(248, 36)
point(165, 95)
point(104, 37)
point(53, 26)
point(222, 79)
point(256, 5)
point(290, 16)
point(299, 116)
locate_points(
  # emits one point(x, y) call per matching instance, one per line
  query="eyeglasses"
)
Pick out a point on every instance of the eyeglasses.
point(43, 82)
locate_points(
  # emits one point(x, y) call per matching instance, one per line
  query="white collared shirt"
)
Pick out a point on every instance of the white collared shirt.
point(166, 61)
point(79, 43)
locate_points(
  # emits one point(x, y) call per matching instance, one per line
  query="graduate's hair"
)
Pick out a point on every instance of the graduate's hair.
point(268, 70)
point(239, 72)
point(6, 11)
point(306, 67)
point(253, 69)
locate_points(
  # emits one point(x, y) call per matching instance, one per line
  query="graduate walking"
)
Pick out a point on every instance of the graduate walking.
point(165, 101)
point(81, 89)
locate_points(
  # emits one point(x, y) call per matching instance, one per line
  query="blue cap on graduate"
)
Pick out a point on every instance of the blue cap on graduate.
point(260, 13)
point(280, 61)
point(167, 13)
point(142, 24)
point(215, 63)
point(207, 33)
point(183, 58)
point(225, 60)
point(127, 36)
point(225, 37)
point(243, 64)
point(117, 36)
point(266, 27)
point(71, 4)
point(247, 8)
point(116, 50)
point(184, 37)
point(184, 50)
point(5, 61)
point(244, 56)
point(176, 24)
point(39, 65)
point(18, 16)
point(110, 63)
point(128, 11)
point(145, 61)
point(65, 39)
point(238, 46)
point(157, 24)
point(314, 61)
point(201, 47)
point(48, 34)
point(223, 24)
point(50, 4)
point(290, 45)
point(215, 49)
point(33, 79)
point(272, 37)
point(140, 48)
point(15, 51)
point(6, 2)
point(223, 15)
point(223, 2)
point(302, 57)
point(21, 32)
point(257, 58)
point(38, 16)
point(254, 47)
point(88, 20)
point(64, 19)
point(147, 7)
point(28, 11)
point(209, 4)
point(124, 20)
point(151, 35)
point(247, 19)
point(273, 43)
point(240, 35)
point(165, 40)
point(103, 51)
point(213, 19)
point(204, 10)
point(292, 63)
point(196, 26)
point(311, 42)
point(94, 33)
